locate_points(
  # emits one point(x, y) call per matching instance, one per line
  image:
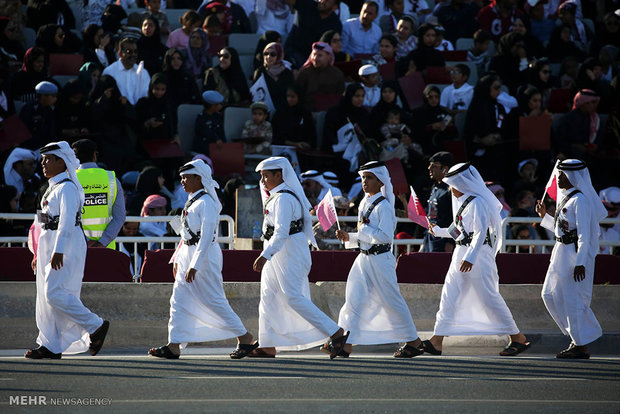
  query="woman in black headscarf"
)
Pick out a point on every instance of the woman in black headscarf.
point(150, 48)
point(10, 47)
point(539, 77)
point(293, 124)
point(150, 181)
point(71, 111)
point(350, 108)
point(334, 39)
point(391, 98)
point(154, 115)
point(33, 71)
point(533, 46)
point(425, 55)
point(182, 88)
point(511, 61)
point(431, 123)
point(561, 46)
point(228, 78)
point(52, 39)
point(97, 46)
point(277, 77)
point(270, 36)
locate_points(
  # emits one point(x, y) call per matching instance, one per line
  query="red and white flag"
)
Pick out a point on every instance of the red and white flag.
point(551, 189)
point(415, 211)
point(326, 211)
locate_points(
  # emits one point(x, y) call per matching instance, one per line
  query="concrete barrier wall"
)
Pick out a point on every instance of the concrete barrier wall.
point(139, 312)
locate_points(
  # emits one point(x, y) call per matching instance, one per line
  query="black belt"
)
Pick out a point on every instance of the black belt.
point(194, 240)
point(377, 249)
point(466, 240)
point(569, 238)
point(297, 226)
point(52, 224)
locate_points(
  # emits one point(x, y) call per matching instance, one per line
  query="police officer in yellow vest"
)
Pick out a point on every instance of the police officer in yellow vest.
point(104, 205)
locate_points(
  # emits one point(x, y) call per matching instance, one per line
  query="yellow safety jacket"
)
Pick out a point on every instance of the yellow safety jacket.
point(99, 195)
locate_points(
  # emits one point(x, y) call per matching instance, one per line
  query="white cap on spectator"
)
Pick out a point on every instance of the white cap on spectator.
point(532, 161)
point(368, 70)
point(46, 88)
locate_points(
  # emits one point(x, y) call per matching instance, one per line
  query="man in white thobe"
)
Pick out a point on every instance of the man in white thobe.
point(132, 79)
point(65, 324)
point(470, 300)
point(199, 310)
point(567, 291)
point(287, 318)
point(375, 311)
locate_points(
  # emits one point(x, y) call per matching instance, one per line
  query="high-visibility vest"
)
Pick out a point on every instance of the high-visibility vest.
point(99, 195)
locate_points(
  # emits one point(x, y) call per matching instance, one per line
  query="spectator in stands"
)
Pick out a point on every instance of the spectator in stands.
point(539, 77)
point(533, 46)
point(589, 77)
point(150, 181)
point(525, 200)
point(439, 203)
point(425, 54)
point(561, 46)
point(405, 37)
point(155, 117)
point(109, 113)
point(40, 116)
point(313, 19)
point(273, 16)
point(315, 186)
point(132, 80)
point(458, 17)
point(520, 232)
point(72, 112)
point(611, 200)
point(42, 12)
point(456, 97)
point(334, 40)
point(361, 35)
point(441, 44)
point(221, 11)
point(10, 46)
point(396, 139)
point(277, 76)
point(432, 123)
point(182, 88)
point(154, 205)
point(213, 27)
point(608, 33)
point(499, 192)
point(293, 124)
point(268, 37)
point(19, 170)
point(53, 39)
point(239, 19)
point(479, 53)
point(9, 198)
point(180, 37)
point(350, 108)
point(391, 99)
point(93, 12)
point(318, 75)
point(579, 34)
point(228, 78)
point(528, 179)
point(342, 210)
point(257, 133)
point(150, 49)
point(388, 22)
point(97, 47)
point(387, 51)
point(484, 127)
point(578, 132)
point(33, 72)
point(608, 57)
point(369, 74)
point(89, 75)
point(132, 229)
point(511, 61)
point(530, 103)
point(153, 11)
point(541, 26)
point(209, 128)
point(196, 53)
point(497, 17)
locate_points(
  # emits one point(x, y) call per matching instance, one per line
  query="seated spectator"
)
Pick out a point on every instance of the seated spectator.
point(396, 139)
point(209, 128)
point(432, 124)
point(532, 45)
point(53, 39)
point(561, 46)
point(369, 75)
point(72, 112)
point(511, 61)
point(539, 77)
point(33, 72)
point(388, 22)
point(150, 181)
point(342, 210)
point(318, 75)
point(608, 57)
point(387, 50)
point(196, 54)
point(154, 205)
point(11, 49)
point(578, 132)
point(360, 34)
point(268, 37)
point(257, 133)
point(180, 37)
point(222, 12)
point(153, 10)
point(228, 78)
point(182, 88)
point(97, 46)
point(155, 117)
point(89, 75)
point(239, 22)
point(19, 170)
point(568, 73)
point(132, 80)
point(273, 16)
point(497, 17)
point(407, 41)
point(313, 19)
point(334, 40)
point(540, 26)
point(607, 34)
point(391, 98)
point(579, 34)
point(441, 44)
point(277, 76)
point(293, 124)
point(457, 96)
point(459, 18)
point(425, 54)
point(150, 49)
point(40, 116)
point(589, 77)
point(479, 53)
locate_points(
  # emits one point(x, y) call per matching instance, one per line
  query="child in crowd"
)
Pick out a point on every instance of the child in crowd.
point(179, 37)
point(442, 44)
point(479, 54)
point(153, 9)
point(457, 96)
point(407, 40)
point(370, 82)
point(209, 128)
point(397, 138)
point(257, 132)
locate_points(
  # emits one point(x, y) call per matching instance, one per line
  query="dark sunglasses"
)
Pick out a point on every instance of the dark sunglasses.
point(271, 54)
point(223, 56)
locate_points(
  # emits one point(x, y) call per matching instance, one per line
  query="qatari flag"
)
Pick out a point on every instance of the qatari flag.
point(551, 189)
point(326, 211)
point(415, 211)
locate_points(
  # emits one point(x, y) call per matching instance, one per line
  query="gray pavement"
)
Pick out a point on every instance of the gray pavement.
point(370, 381)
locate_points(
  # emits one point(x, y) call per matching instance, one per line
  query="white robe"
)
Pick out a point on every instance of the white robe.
point(199, 311)
point(375, 311)
point(287, 318)
point(568, 301)
point(64, 322)
point(470, 301)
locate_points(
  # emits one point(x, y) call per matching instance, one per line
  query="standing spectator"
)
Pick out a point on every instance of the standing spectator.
point(439, 203)
point(153, 11)
point(155, 117)
point(334, 40)
point(150, 49)
point(277, 76)
point(479, 53)
point(197, 58)
point(132, 79)
point(318, 75)
point(180, 37)
point(97, 46)
point(425, 54)
point(40, 116)
point(228, 78)
point(257, 133)
point(457, 96)
point(293, 123)
point(182, 88)
point(511, 61)
point(497, 17)
point(458, 17)
point(33, 72)
point(361, 35)
point(407, 40)
point(209, 128)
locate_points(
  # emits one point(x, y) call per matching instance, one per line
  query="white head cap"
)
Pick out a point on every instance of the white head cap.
point(201, 168)
point(63, 150)
point(380, 171)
